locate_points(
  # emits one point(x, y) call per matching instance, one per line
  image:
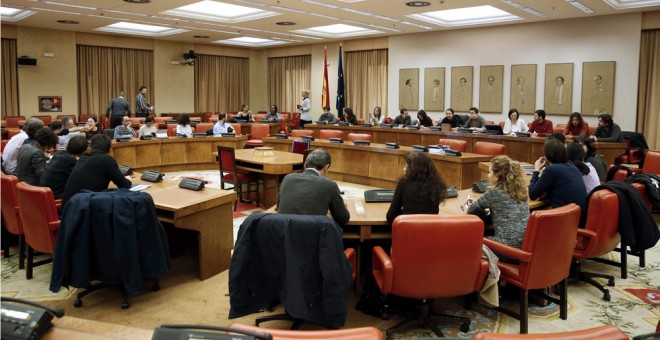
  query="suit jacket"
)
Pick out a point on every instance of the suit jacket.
point(114, 237)
point(309, 193)
point(119, 107)
point(296, 259)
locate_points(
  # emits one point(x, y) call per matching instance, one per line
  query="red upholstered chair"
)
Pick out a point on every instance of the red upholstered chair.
point(259, 117)
point(607, 332)
point(12, 121)
point(488, 148)
point(432, 256)
point(213, 118)
point(631, 156)
point(557, 129)
point(358, 136)
point(257, 133)
point(13, 132)
point(84, 118)
point(283, 127)
point(454, 144)
point(73, 117)
point(285, 116)
point(299, 146)
point(298, 133)
point(38, 212)
point(237, 128)
point(592, 129)
point(171, 130)
point(47, 119)
point(652, 163)
point(561, 125)
point(135, 122)
point(3, 123)
point(360, 121)
point(229, 174)
point(362, 333)
point(11, 218)
point(490, 122)
point(161, 122)
point(203, 127)
point(326, 134)
point(3, 143)
point(21, 123)
point(295, 121)
point(544, 259)
point(599, 237)
point(501, 124)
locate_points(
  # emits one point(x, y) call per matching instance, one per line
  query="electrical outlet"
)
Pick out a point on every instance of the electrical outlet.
point(49, 55)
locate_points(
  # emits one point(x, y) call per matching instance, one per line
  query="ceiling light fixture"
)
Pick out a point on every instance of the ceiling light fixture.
point(138, 1)
point(580, 6)
point(466, 16)
point(201, 36)
point(68, 22)
point(285, 23)
point(524, 8)
point(621, 4)
point(418, 3)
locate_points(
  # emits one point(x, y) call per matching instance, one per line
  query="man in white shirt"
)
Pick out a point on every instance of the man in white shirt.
point(10, 154)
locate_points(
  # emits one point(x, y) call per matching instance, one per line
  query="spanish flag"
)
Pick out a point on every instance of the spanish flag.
point(325, 94)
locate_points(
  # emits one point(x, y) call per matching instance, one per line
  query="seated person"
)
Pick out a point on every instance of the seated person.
point(402, 119)
point(68, 126)
point(125, 128)
point(221, 126)
point(451, 119)
point(31, 129)
point(424, 119)
point(607, 130)
point(349, 116)
point(31, 162)
point(94, 170)
point(576, 126)
point(556, 180)
point(244, 115)
point(558, 136)
point(310, 192)
point(576, 154)
point(10, 153)
point(506, 202)
point(420, 190)
point(540, 124)
point(273, 115)
point(60, 166)
point(183, 126)
point(591, 157)
point(327, 115)
point(148, 129)
point(476, 121)
point(514, 123)
point(92, 128)
point(376, 117)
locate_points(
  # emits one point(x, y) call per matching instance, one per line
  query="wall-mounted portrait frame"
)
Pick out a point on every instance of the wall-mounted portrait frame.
point(598, 87)
point(523, 88)
point(558, 97)
point(490, 88)
point(461, 88)
point(409, 88)
point(50, 104)
point(434, 89)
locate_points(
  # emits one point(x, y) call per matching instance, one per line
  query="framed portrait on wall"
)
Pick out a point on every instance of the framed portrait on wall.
point(409, 88)
point(523, 88)
point(434, 89)
point(598, 87)
point(490, 88)
point(50, 104)
point(558, 97)
point(461, 88)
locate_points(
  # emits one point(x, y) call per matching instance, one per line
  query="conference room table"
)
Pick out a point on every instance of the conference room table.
point(523, 149)
point(73, 328)
point(208, 212)
point(378, 166)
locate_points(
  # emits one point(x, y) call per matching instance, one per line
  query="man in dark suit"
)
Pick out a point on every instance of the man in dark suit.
point(310, 192)
point(119, 108)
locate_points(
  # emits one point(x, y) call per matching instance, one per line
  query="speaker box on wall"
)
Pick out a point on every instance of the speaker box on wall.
point(26, 61)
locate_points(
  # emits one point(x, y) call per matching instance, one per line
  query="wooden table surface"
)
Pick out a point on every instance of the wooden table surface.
point(72, 328)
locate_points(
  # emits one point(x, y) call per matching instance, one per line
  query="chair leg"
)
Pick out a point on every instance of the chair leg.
point(624, 261)
point(563, 298)
point(524, 305)
point(578, 274)
point(30, 258)
point(21, 251)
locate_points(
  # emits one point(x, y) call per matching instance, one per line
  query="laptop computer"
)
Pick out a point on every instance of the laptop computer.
point(494, 129)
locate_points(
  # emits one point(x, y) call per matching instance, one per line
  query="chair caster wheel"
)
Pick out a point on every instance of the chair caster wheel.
point(610, 282)
point(155, 287)
point(465, 327)
point(607, 296)
point(77, 303)
point(125, 305)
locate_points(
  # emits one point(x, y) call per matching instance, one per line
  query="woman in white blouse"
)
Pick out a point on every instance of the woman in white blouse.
point(514, 123)
point(377, 117)
point(183, 126)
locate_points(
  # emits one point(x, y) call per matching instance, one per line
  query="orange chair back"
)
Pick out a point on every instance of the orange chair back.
point(607, 332)
point(46, 119)
point(602, 219)
point(360, 121)
point(203, 127)
point(283, 128)
point(259, 117)
point(3, 143)
point(454, 144)
point(652, 163)
point(84, 118)
point(298, 133)
point(213, 118)
point(326, 134)
point(13, 132)
point(285, 116)
point(488, 148)
point(550, 238)
point(236, 127)
point(135, 122)
point(591, 130)
point(362, 333)
point(11, 218)
point(259, 131)
point(12, 121)
point(295, 121)
point(358, 136)
point(426, 249)
point(171, 130)
point(39, 216)
point(3, 123)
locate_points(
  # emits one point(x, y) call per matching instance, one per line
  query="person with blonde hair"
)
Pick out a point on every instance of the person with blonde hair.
point(305, 108)
point(505, 202)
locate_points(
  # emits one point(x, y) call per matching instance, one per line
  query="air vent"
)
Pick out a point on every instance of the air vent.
point(413, 3)
point(286, 23)
point(138, 1)
point(68, 22)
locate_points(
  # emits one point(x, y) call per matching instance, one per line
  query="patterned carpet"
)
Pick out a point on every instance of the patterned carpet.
point(634, 307)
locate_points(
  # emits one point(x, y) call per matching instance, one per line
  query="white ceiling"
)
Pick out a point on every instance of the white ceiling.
point(93, 14)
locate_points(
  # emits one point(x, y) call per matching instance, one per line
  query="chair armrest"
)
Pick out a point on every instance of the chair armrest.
point(54, 225)
point(382, 269)
point(592, 240)
point(350, 255)
point(58, 204)
point(511, 252)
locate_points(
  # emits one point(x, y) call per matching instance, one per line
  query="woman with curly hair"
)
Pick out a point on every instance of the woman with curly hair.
point(420, 190)
point(507, 202)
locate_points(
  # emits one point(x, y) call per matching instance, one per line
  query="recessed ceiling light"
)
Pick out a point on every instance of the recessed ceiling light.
point(580, 6)
point(466, 16)
point(140, 29)
point(285, 23)
point(14, 14)
point(621, 4)
point(220, 11)
point(524, 8)
point(250, 42)
point(138, 1)
point(351, 1)
point(418, 3)
point(337, 31)
point(201, 36)
point(68, 22)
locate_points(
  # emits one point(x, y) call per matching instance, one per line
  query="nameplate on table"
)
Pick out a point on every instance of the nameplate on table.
point(336, 140)
point(367, 125)
point(281, 136)
point(362, 142)
point(228, 134)
point(310, 138)
point(391, 145)
point(421, 148)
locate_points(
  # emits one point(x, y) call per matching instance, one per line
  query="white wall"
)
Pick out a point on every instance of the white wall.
point(603, 38)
